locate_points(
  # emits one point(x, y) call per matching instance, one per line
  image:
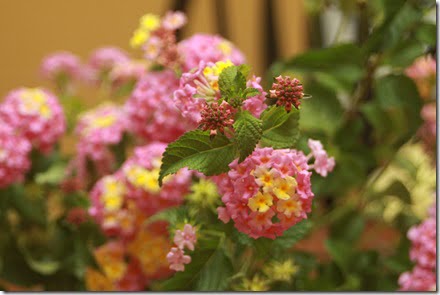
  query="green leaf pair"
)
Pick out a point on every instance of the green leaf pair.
point(197, 151)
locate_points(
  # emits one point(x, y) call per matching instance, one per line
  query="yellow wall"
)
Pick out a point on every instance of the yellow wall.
point(30, 29)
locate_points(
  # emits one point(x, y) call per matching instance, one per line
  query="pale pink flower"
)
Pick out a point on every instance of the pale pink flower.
point(177, 259)
point(174, 20)
point(323, 163)
point(186, 237)
point(61, 64)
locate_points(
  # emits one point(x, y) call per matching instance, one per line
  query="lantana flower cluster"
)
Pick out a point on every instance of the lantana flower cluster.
point(199, 90)
point(130, 265)
point(35, 114)
point(270, 191)
point(121, 203)
point(150, 110)
point(184, 238)
point(97, 130)
point(136, 185)
point(424, 253)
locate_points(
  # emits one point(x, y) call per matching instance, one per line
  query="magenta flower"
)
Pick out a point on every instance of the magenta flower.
point(419, 279)
point(423, 238)
point(177, 259)
point(185, 237)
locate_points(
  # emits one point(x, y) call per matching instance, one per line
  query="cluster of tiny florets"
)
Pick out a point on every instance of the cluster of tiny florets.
point(424, 253)
point(216, 117)
point(35, 114)
point(288, 92)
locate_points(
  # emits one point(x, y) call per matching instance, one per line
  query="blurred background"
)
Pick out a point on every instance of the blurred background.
point(263, 29)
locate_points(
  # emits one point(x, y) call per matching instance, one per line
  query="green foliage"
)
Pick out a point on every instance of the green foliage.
point(280, 128)
point(196, 150)
point(248, 131)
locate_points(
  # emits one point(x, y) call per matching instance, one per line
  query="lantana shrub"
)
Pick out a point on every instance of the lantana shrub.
point(194, 173)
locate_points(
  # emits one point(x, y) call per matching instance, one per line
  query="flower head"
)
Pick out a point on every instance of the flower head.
point(276, 196)
point(323, 163)
point(150, 110)
point(36, 115)
point(177, 259)
point(287, 91)
point(61, 65)
point(186, 237)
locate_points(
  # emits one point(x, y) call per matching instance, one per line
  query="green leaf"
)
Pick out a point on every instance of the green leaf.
point(244, 69)
point(215, 274)
point(293, 235)
point(280, 129)
point(250, 92)
point(54, 175)
point(31, 209)
point(248, 130)
point(340, 251)
point(173, 215)
point(197, 151)
point(232, 82)
point(43, 266)
point(399, 190)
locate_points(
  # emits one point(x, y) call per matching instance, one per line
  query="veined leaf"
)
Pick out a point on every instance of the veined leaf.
point(280, 129)
point(197, 151)
point(248, 130)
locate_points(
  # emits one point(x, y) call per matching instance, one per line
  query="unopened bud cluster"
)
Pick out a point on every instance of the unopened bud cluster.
point(216, 117)
point(287, 91)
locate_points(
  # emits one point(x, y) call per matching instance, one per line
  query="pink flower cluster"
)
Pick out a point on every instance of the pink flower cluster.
point(61, 64)
point(200, 87)
point(323, 163)
point(126, 72)
point(102, 60)
point(35, 114)
point(424, 253)
point(96, 130)
point(207, 48)
point(14, 161)
point(267, 193)
point(150, 110)
point(182, 238)
point(136, 185)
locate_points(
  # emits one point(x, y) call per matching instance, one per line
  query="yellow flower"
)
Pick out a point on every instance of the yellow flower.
point(225, 47)
point(212, 73)
point(96, 281)
point(265, 178)
point(281, 271)
point(140, 177)
point(149, 22)
point(139, 38)
point(290, 206)
point(204, 193)
point(284, 188)
point(260, 202)
point(113, 193)
point(256, 284)
point(34, 101)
